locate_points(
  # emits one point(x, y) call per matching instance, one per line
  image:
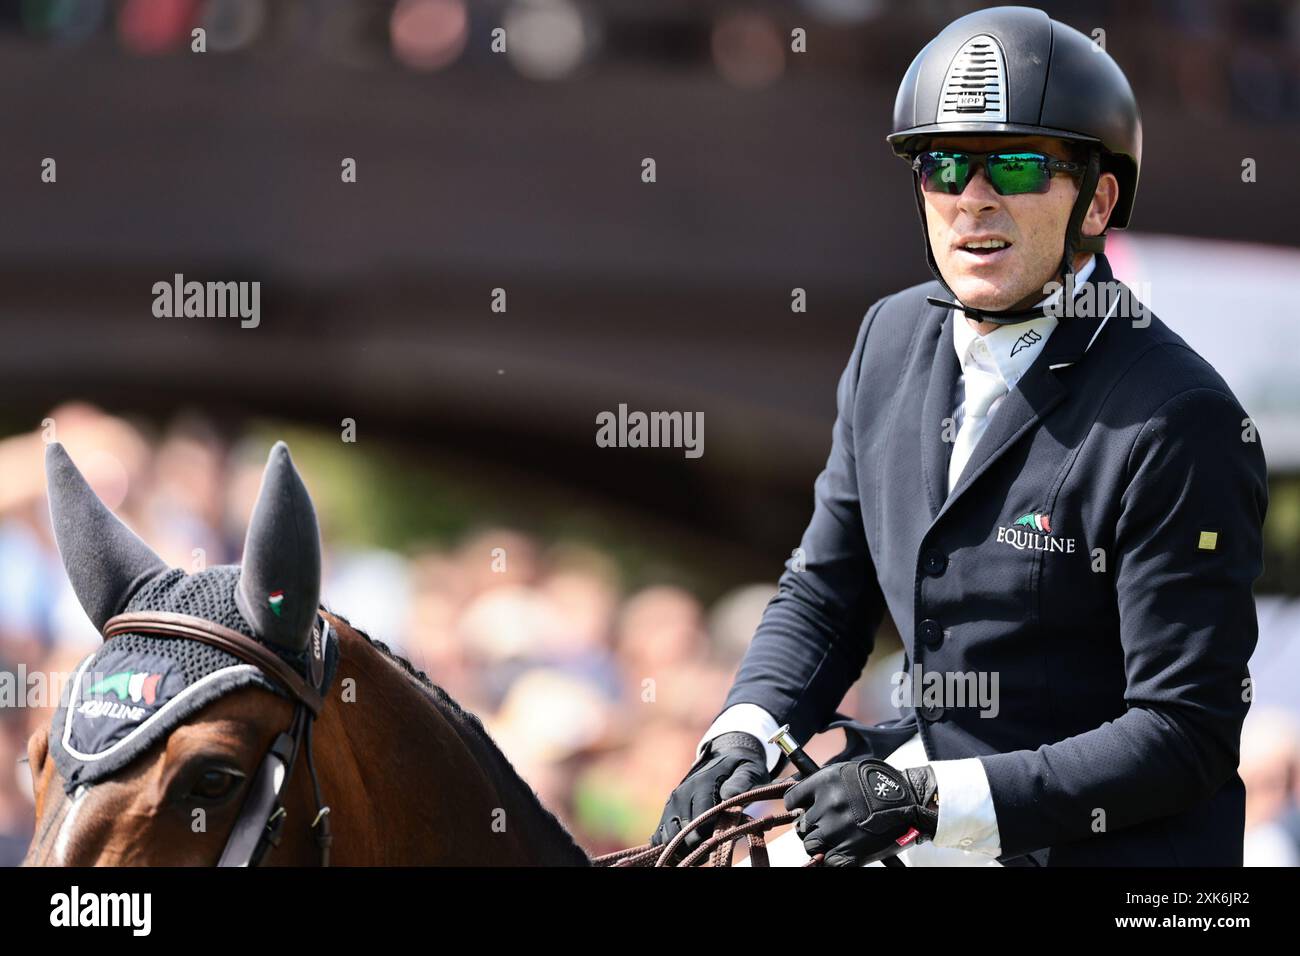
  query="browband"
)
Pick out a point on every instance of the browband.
point(169, 624)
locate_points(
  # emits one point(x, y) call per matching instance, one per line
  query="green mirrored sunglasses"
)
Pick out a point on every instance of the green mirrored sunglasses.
point(1011, 172)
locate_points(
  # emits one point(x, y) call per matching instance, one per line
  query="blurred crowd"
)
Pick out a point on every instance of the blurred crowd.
point(595, 692)
point(597, 695)
point(1216, 57)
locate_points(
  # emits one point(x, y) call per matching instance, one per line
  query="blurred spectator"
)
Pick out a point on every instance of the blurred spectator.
point(17, 814)
point(1270, 768)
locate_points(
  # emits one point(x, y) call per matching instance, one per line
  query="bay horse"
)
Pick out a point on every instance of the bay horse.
point(229, 719)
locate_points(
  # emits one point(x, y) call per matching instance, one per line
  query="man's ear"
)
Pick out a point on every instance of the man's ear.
point(1104, 199)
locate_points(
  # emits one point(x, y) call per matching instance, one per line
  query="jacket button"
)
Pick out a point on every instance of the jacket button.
point(934, 563)
point(931, 633)
point(932, 712)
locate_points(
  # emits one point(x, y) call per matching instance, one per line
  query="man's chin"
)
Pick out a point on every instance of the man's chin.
point(994, 292)
point(980, 294)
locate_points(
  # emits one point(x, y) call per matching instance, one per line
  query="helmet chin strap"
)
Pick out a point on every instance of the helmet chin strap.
point(1075, 243)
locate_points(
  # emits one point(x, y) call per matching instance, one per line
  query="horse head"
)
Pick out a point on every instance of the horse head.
point(169, 731)
point(186, 738)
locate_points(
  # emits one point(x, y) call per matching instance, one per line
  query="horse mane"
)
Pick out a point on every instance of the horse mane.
point(473, 728)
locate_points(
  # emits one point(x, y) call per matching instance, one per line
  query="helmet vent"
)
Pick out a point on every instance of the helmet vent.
point(976, 85)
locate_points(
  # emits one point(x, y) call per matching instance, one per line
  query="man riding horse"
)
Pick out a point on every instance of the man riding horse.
point(1061, 496)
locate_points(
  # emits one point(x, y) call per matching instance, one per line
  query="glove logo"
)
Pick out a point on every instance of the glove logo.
point(884, 787)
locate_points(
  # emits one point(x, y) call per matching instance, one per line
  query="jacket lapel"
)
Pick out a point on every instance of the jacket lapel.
point(938, 407)
point(1039, 390)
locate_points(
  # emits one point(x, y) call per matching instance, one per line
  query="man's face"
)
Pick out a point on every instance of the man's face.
point(1032, 225)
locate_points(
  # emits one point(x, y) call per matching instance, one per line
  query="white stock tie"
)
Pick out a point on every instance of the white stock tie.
point(983, 388)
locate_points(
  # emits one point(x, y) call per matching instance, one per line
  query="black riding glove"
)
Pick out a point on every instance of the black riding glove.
point(856, 812)
point(730, 764)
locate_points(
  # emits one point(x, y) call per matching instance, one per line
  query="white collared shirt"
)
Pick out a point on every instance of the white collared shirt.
point(967, 834)
point(1005, 353)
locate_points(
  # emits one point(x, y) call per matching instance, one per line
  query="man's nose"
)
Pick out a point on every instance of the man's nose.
point(979, 195)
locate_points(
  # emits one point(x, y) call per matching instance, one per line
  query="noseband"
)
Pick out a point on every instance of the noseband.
point(261, 819)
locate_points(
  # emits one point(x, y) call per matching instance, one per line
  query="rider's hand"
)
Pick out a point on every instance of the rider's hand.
point(855, 812)
point(730, 764)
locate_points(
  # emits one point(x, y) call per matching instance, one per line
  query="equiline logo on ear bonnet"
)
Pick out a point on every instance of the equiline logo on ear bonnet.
point(137, 688)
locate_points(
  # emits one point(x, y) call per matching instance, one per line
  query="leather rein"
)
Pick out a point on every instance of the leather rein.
point(261, 819)
point(720, 847)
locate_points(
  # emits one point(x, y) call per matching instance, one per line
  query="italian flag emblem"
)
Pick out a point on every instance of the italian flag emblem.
point(135, 686)
point(275, 600)
point(1037, 521)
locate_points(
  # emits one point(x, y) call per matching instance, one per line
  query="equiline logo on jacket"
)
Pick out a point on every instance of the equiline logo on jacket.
point(1033, 532)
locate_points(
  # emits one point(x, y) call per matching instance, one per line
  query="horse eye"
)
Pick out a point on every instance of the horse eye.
point(214, 784)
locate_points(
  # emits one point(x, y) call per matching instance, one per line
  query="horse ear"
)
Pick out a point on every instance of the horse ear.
point(279, 578)
point(106, 563)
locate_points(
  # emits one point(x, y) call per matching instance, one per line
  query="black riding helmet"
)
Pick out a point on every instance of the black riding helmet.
point(1016, 71)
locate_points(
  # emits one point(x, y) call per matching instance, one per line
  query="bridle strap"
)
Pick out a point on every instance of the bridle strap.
point(261, 818)
point(169, 624)
point(247, 838)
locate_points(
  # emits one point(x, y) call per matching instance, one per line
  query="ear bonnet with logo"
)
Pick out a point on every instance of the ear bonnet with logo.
point(139, 686)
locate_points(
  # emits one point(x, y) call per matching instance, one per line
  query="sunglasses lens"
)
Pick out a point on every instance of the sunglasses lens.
point(1015, 173)
point(944, 172)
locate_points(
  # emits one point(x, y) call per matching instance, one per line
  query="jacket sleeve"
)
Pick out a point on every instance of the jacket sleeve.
point(1188, 548)
point(815, 634)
